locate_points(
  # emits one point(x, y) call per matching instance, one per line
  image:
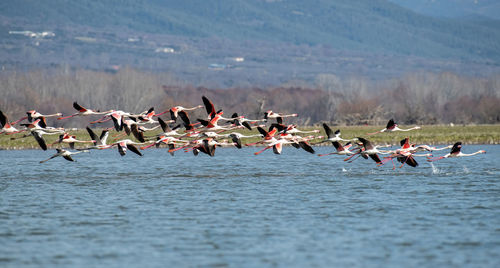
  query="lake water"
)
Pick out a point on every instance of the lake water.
point(241, 210)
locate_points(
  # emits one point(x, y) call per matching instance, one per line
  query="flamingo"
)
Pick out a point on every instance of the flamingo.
point(370, 150)
point(33, 115)
point(405, 154)
point(292, 129)
point(174, 111)
point(7, 127)
point(148, 117)
point(268, 136)
point(277, 145)
point(82, 111)
point(138, 131)
point(455, 152)
point(332, 137)
point(212, 123)
point(187, 122)
point(170, 141)
point(296, 141)
point(71, 140)
point(242, 121)
point(341, 150)
point(100, 142)
point(65, 154)
point(167, 131)
point(391, 127)
point(236, 138)
point(209, 144)
point(209, 107)
point(123, 145)
point(270, 114)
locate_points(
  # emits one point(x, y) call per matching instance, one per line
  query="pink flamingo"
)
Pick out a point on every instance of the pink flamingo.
point(7, 127)
point(391, 127)
point(82, 111)
point(341, 150)
point(278, 116)
point(174, 111)
point(455, 152)
point(123, 145)
point(33, 115)
point(71, 140)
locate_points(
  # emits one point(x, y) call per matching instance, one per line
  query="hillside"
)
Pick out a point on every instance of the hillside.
point(453, 8)
point(372, 37)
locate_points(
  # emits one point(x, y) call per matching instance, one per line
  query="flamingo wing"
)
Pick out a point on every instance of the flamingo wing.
point(375, 158)
point(68, 157)
point(3, 119)
point(137, 134)
point(306, 147)
point(164, 126)
point(209, 106)
point(78, 107)
point(247, 125)
point(134, 149)
point(93, 136)
point(40, 140)
point(328, 131)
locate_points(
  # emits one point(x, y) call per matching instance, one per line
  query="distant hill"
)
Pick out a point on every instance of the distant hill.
point(454, 8)
point(214, 30)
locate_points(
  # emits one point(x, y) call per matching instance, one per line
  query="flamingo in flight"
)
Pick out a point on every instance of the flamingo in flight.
point(391, 127)
point(236, 138)
point(296, 141)
point(174, 111)
point(340, 150)
point(212, 123)
point(7, 127)
point(33, 115)
point(167, 131)
point(65, 154)
point(404, 155)
point(292, 129)
point(242, 121)
point(82, 111)
point(123, 145)
point(278, 116)
point(100, 142)
point(369, 150)
point(38, 135)
point(332, 136)
point(455, 152)
point(71, 140)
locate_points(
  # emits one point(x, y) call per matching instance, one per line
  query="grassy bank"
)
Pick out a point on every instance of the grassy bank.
point(431, 134)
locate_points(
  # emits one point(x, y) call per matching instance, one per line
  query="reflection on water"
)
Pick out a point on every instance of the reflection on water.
point(237, 209)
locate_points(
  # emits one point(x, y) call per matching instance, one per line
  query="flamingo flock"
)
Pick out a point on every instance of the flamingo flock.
point(134, 133)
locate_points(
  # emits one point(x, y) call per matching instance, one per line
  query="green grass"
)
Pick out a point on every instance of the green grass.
point(431, 134)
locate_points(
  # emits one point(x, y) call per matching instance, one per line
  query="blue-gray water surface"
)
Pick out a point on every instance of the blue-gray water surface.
point(241, 210)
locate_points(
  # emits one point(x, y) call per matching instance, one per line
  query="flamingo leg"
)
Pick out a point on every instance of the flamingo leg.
point(432, 159)
point(15, 122)
point(348, 158)
point(102, 120)
point(65, 117)
point(261, 151)
point(178, 148)
point(373, 133)
point(350, 161)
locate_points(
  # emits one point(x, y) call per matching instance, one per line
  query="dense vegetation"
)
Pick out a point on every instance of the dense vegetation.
point(422, 98)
